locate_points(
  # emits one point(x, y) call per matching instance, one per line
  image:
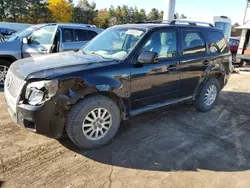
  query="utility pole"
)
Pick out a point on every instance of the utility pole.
point(169, 9)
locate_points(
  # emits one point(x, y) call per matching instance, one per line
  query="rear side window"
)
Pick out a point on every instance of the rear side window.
point(67, 35)
point(84, 35)
point(217, 43)
point(81, 35)
point(91, 34)
point(193, 43)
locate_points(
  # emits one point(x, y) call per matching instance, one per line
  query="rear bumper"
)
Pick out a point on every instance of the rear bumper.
point(39, 119)
point(242, 57)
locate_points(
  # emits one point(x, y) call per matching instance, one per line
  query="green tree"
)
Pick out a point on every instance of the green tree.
point(183, 16)
point(154, 14)
point(38, 12)
point(143, 15)
point(178, 16)
point(85, 12)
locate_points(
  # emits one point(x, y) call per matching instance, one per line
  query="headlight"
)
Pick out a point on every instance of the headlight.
point(38, 92)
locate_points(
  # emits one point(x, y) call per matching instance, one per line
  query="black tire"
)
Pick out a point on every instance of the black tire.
point(81, 110)
point(242, 63)
point(199, 103)
point(234, 58)
point(6, 64)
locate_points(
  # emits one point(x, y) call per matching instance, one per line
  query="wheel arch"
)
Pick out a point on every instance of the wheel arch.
point(8, 58)
point(217, 75)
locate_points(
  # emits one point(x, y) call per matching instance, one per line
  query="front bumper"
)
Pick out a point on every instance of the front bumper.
point(43, 119)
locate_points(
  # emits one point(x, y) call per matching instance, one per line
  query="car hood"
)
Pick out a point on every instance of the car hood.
point(56, 64)
point(10, 46)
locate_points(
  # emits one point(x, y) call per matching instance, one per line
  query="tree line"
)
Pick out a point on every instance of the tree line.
point(43, 11)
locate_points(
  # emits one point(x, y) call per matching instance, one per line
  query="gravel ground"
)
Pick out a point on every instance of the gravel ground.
point(170, 147)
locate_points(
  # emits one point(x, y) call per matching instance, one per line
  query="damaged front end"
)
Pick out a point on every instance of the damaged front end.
point(44, 105)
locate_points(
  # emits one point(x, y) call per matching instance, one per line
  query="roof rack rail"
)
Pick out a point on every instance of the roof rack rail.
point(154, 21)
point(194, 23)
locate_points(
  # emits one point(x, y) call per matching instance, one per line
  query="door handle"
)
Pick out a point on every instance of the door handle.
point(206, 62)
point(43, 49)
point(172, 67)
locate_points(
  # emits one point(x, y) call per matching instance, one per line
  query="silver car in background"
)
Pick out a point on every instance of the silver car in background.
point(43, 39)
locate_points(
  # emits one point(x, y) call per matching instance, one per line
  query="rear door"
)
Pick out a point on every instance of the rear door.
point(40, 42)
point(193, 60)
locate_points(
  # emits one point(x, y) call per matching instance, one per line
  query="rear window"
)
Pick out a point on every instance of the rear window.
point(217, 43)
point(193, 43)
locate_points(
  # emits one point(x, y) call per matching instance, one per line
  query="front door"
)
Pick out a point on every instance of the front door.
point(157, 82)
point(40, 42)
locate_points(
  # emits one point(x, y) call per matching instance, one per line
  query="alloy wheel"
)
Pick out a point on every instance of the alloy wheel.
point(97, 123)
point(3, 73)
point(210, 95)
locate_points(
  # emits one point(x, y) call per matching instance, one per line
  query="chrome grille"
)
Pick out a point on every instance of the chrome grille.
point(13, 84)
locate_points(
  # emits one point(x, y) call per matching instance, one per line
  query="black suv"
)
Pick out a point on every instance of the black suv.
point(124, 71)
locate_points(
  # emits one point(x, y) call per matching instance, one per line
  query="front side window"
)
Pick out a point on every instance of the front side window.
point(114, 43)
point(81, 35)
point(217, 43)
point(192, 43)
point(43, 36)
point(163, 43)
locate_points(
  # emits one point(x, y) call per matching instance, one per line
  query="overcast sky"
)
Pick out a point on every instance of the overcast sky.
point(200, 9)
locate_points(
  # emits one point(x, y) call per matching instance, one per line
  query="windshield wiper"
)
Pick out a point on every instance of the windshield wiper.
point(94, 53)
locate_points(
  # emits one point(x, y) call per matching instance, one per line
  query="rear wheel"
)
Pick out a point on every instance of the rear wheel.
point(4, 67)
point(93, 121)
point(208, 96)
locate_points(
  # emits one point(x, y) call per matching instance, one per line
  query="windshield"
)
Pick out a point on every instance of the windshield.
point(114, 43)
point(23, 33)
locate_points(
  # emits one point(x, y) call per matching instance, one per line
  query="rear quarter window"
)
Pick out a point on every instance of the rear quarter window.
point(217, 43)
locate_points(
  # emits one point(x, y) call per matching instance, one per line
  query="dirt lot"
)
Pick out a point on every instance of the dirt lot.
point(170, 147)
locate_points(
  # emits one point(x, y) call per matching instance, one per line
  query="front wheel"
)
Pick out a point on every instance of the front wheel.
point(93, 121)
point(4, 67)
point(208, 96)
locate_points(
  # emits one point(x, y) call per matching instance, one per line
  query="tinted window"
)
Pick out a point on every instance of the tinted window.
point(81, 35)
point(67, 35)
point(192, 43)
point(217, 43)
point(91, 34)
point(163, 43)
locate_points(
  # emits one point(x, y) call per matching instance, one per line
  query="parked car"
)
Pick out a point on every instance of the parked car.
point(6, 31)
point(123, 72)
point(43, 39)
point(234, 44)
point(243, 53)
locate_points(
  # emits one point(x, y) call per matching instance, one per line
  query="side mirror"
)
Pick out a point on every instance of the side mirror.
point(25, 41)
point(148, 57)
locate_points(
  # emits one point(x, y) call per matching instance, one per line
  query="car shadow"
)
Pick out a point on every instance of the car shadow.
point(180, 138)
